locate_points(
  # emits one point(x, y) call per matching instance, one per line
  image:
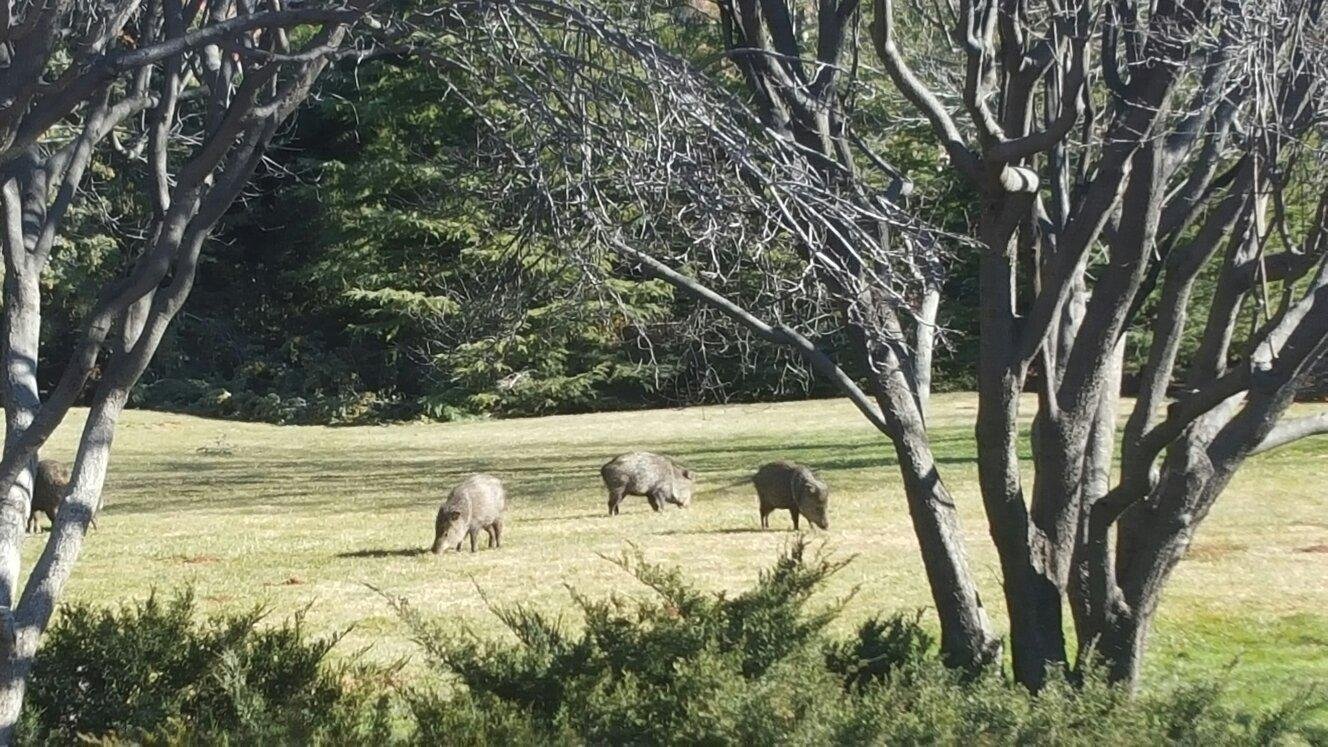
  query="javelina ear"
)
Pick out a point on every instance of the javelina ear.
point(454, 515)
point(686, 473)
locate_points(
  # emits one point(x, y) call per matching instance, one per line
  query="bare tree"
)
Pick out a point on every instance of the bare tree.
point(194, 90)
point(638, 154)
point(1158, 140)
point(1119, 150)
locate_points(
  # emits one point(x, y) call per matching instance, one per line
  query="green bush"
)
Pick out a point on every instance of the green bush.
point(681, 666)
point(671, 665)
point(153, 669)
point(882, 647)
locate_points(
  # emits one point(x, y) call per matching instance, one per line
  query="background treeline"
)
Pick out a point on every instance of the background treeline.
point(362, 279)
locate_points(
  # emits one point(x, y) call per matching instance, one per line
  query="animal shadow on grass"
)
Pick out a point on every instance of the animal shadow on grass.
point(551, 519)
point(731, 530)
point(405, 552)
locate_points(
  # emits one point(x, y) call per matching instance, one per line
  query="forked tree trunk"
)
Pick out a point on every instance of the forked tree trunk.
point(1033, 599)
point(22, 334)
point(242, 111)
point(57, 560)
point(1147, 86)
point(967, 640)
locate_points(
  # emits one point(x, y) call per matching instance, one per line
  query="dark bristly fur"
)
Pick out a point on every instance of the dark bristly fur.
point(658, 478)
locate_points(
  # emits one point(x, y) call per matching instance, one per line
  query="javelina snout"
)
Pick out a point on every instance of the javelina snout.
point(660, 479)
point(475, 505)
point(682, 489)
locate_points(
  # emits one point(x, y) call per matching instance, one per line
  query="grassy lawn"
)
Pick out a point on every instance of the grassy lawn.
point(295, 517)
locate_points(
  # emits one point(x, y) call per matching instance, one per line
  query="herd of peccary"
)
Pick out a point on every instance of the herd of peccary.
point(478, 503)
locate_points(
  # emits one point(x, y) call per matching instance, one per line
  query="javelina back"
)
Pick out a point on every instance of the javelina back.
point(658, 478)
point(49, 487)
point(790, 485)
point(476, 504)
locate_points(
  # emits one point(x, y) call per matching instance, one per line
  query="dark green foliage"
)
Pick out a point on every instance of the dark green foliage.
point(152, 668)
point(368, 282)
point(681, 666)
point(881, 648)
point(364, 280)
point(673, 665)
point(465, 721)
point(644, 667)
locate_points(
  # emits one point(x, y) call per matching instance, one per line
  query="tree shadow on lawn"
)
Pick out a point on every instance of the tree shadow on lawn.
point(405, 480)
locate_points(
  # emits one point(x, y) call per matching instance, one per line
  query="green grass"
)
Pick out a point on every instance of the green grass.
point(314, 516)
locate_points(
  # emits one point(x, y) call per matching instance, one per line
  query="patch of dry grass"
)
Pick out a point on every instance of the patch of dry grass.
point(313, 516)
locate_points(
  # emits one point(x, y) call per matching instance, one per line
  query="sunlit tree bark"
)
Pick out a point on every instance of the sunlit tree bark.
point(1119, 150)
point(201, 89)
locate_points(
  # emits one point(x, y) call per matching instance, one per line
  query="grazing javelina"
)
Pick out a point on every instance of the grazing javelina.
point(795, 487)
point(48, 489)
point(476, 505)
point(658, 478)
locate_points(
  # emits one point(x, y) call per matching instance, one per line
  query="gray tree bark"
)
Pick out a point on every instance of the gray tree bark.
point(1118, 152)
point(239, 110)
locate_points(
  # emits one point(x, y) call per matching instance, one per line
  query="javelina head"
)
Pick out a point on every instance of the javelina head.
point(814, 500)
point(449, 529)
point(682, 487)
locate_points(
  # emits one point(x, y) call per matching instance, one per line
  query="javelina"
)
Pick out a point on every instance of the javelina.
point(49, 487)
point(475, 505)
point(658, 478)
point(790, 485)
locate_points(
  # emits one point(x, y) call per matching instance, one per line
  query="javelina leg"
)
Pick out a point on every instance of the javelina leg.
point(656, 500)
point(794, 511)
point(765, 518)
point(32, 523)
point(472, 534)
point(498, 533)
point(488, 532)
point(615, 497)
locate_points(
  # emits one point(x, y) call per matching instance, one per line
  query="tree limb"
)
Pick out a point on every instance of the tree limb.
point(1290, 431)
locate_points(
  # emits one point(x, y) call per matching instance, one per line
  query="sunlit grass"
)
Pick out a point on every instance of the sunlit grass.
point(309, 516)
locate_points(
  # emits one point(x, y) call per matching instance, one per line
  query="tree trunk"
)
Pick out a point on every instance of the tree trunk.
point(924, 347)
point(1094, 601)
point(1153, 535)
point(966, 638)
point(1032, 597)
point(1120, 646)
point(22, 335)
point(57, 560)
